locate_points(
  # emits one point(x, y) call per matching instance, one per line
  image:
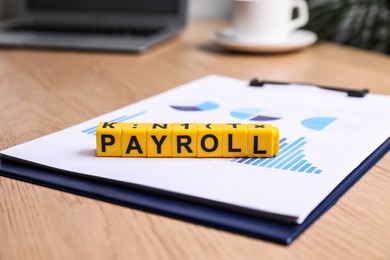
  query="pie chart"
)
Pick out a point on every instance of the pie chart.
point(317, 123)
point(253, 114)
point(204, 106)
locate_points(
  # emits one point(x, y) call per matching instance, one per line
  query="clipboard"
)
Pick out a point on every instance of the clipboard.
point(181, 209)
point(149, 198)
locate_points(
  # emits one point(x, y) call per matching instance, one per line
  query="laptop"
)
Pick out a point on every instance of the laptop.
point(111, 25)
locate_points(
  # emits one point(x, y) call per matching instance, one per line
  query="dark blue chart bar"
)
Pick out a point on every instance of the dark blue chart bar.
point(291, 157)
point(92, 130)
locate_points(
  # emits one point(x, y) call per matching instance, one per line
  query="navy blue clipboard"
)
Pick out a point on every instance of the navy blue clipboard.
point(182, 209)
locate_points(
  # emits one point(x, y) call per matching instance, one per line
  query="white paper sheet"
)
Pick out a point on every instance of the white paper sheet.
point(324, 136)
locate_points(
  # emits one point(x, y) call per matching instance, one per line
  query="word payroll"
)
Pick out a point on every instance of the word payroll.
point(186, 140)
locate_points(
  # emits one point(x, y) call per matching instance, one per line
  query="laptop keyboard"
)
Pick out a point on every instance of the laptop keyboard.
point(119, 30)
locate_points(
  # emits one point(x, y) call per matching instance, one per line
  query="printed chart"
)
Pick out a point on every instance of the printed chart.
point(313, 123)
point(252, 114)
point(207, 105)
point(317, 123)
point(290, 158)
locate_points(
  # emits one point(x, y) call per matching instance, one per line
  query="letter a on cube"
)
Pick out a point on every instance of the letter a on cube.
point(134, 140)
point(108, 139)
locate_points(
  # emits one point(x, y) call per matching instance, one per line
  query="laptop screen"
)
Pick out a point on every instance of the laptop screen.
point(164, 7)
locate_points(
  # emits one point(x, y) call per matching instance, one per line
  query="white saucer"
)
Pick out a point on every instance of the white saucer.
point(299, 39)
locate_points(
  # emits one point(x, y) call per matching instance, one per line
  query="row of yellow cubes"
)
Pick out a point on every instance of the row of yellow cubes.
point(186, 140)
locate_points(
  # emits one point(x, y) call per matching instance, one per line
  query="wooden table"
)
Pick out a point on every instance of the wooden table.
point(44, 91)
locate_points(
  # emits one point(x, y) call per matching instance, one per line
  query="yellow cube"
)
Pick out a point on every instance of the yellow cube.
point(184, 140)
point(108, 139)
point(159, 140)
point(276, 140)
point(235, 140)
point(134, 140)
point(210, 140)
point(260, 140)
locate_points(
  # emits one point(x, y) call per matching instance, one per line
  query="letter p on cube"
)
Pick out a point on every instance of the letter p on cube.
point(108, 139)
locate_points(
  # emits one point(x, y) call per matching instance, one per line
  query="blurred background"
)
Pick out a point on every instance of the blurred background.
point(360, 23)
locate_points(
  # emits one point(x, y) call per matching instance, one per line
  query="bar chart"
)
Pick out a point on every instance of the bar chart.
point(290, 158)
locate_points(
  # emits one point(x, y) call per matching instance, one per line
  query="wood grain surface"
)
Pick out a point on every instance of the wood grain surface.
point(43, 91)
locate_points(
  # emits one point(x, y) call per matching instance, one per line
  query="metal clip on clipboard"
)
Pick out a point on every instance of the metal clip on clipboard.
point(350, 92)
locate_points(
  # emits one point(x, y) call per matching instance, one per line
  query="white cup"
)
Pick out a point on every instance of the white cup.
point(268, 20)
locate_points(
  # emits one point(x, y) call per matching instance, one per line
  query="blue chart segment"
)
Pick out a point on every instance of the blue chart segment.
point(252, 114)
point(92, 130)
point(290, 158)
point(317, 123)
point(199, 107)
